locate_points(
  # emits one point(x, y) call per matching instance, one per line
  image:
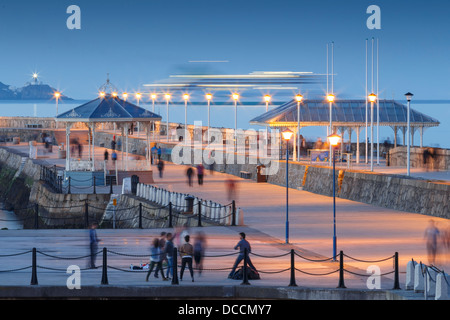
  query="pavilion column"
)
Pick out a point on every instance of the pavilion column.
point(421, 136)
point(122, 134)
point(395, 136)
point(404, 135)
point(126, 146)
point(93, 146)
point(358, 129)
point(68, 126)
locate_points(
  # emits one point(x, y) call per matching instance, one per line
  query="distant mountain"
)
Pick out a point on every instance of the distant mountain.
point(31, 91)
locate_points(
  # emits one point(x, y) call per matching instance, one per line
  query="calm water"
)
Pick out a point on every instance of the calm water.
point(223, 116)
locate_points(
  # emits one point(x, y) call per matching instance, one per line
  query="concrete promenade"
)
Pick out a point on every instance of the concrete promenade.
point(364, 232)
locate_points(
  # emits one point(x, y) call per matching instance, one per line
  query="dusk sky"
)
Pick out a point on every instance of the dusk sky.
point(140, 42)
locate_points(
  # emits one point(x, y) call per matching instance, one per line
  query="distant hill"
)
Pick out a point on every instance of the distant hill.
point(31, 91)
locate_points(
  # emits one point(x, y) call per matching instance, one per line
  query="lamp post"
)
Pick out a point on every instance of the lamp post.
point(153, 97)
point(267, 99)
point(186, 99)
point(167, 96)
point(299, 99)
point(209, 97)
point(334, 140)
point(125, 96)
point(287, 135)
point(138, 97)
point(409, 96)
point(372, 98)
point(57, 95)
point(235, 98)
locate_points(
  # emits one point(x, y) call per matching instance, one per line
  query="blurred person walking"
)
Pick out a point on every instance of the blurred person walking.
point(432, 236)
point(199, 251)
point(155, 259)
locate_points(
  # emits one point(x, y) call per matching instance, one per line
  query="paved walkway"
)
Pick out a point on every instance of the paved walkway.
point(364, 232)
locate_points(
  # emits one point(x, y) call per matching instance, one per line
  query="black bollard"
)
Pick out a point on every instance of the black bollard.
point(105, 268)
point(233, 212)
point(292, 282)
point(199, 224)
point(244, 269)
point(95, 191)
point(140, 215)
point(396, 278)
point(341, 271)
point(175, 267)
point(34, 280)
point(170, 215)
point(86, 214)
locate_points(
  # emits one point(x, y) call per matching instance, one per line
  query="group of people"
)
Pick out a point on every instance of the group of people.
point(162, 250)
point(200, 174)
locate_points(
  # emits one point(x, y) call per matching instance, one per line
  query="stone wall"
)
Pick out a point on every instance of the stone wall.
point(440, 159)
point(20, 190)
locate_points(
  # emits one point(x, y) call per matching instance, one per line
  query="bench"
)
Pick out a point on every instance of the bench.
point(245, 175)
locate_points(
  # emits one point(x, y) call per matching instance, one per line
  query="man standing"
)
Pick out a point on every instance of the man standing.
point(93, 241)
point(242, 245)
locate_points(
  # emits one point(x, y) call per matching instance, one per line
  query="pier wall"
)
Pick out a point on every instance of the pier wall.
point(390, 191)
point(440, 159)
point(20, 188)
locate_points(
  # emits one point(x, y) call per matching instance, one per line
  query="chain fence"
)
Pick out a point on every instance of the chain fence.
point(246, 272)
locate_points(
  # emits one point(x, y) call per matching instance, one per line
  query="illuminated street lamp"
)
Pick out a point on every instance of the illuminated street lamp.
point(186, 99)
point(372, 99)
point(125, 96)
point(409, 96)
point(287, 135)
point(299, 99)
point(334, 141)
point(209, 97)
point(167, 97)
point(153, 96)
point(138, 97)
point(235, 98)
point(267, 99)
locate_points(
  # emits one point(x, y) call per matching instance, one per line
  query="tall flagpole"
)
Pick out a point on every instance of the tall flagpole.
point(367, 149)
point(378, 102)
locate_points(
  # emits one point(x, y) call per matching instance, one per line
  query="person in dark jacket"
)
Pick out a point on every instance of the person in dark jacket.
point(242, 245)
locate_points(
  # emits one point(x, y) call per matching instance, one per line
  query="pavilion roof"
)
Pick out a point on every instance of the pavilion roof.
point(108, 109)
point(344, 113)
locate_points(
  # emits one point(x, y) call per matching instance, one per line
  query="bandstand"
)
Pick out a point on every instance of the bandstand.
point(108, 110)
